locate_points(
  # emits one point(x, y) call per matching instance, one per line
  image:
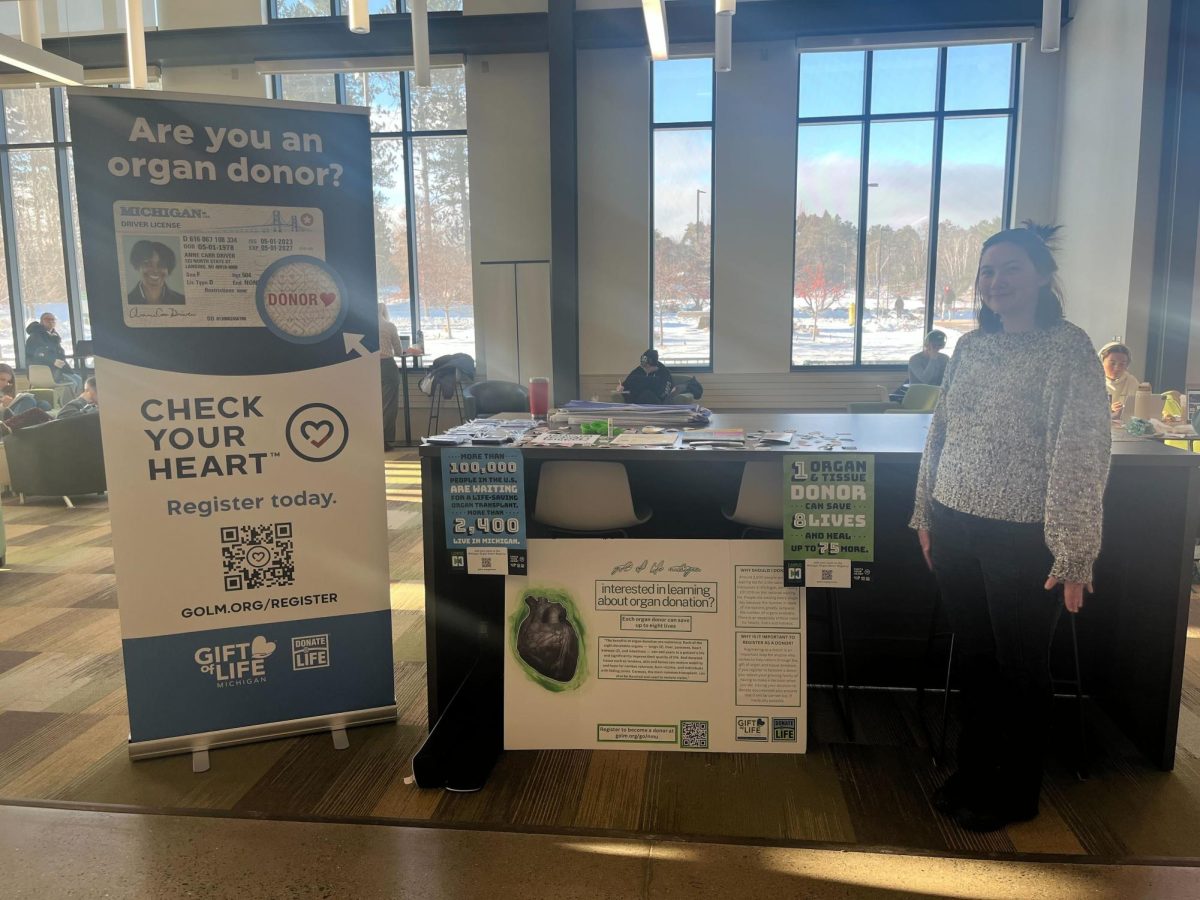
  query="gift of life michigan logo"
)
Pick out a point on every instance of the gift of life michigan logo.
point(301, 299)
point(236, 665)
point(317, 432)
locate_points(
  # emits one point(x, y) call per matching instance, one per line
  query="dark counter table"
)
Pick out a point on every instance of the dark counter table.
point(1132, 632)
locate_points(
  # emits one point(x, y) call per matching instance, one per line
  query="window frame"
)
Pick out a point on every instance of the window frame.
point(406, 136)
point(61, 147)
point(864, 120)
point(711, 125)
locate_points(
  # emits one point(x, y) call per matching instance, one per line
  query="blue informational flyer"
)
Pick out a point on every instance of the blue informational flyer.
point(483, 492)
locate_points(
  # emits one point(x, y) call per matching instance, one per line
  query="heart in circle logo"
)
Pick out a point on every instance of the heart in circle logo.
point(328, 297)
point(317, 432)
point(310, 430)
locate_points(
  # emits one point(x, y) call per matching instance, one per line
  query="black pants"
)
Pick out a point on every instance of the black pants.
point(389, 374)
point(992, 575)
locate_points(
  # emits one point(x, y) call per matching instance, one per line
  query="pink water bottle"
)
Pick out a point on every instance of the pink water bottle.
point(539, 397)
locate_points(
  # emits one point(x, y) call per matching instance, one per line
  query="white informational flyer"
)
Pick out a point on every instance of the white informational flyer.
point(198, 264)
point(664, 645)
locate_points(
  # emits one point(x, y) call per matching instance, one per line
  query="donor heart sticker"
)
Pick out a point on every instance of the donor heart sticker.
point(301, 299)
point(317, 432)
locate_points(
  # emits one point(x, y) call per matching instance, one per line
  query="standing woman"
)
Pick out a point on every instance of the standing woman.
point(1008, 511)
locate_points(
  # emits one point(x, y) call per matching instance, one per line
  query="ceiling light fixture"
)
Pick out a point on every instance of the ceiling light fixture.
point(420, 41)
point(359, 16)
point(32, 59)
point(723, 57)
point(1051, 25)
point(655, 13)
point(135, 43)
point(723, 35)
point(31, 22)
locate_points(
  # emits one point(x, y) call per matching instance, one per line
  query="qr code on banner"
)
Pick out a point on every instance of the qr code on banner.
point(257, 556)
point(693, 735)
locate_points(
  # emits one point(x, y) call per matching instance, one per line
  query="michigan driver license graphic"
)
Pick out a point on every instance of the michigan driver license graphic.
point(301, 299)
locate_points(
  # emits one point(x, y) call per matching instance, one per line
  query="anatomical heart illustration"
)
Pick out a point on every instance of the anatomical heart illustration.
point(548, 640)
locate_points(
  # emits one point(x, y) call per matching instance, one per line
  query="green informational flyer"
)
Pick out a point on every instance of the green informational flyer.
point(829, 516)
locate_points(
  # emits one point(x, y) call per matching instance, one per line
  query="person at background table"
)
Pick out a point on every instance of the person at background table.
point(649, 383)
point(389, 375)
point(43, 347)
point(11, 402)
point(928, 366)
point(1120, 383)
point(1008, 512)
point(155, 261)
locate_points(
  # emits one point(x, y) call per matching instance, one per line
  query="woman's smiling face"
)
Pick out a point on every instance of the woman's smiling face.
point(154, 273)
point(1007, 281)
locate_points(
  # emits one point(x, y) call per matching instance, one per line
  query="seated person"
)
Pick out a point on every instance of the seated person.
point(926, 367)
point(12, 403)
point(649, 383)
point(1118, 381)
point(43, 347)
point(87, 402)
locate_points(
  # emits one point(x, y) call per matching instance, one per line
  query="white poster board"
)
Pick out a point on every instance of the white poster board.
point(664, 645)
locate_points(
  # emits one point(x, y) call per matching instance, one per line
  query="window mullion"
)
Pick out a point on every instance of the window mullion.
point(66, 217)
point(935, 194)
point(863, 176)
point(410, 208)
point(12, 271)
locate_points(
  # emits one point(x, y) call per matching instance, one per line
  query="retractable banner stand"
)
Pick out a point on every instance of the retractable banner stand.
point(230, 262)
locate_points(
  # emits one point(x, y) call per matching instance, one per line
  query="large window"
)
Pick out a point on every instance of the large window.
point(681, 214)
point(39, 218)
point(422, 209)
point(304, 9)
point(903, 168)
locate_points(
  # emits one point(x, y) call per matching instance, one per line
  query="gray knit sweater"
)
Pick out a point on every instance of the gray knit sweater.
point(1021, 433)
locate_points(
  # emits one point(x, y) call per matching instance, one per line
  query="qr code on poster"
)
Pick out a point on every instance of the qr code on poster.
point(693, 735)
point(257, 556)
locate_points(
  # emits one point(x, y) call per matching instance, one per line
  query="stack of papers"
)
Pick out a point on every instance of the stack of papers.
point(636, 415)
point(553, 439)
point(715, 436)
point(488, 431)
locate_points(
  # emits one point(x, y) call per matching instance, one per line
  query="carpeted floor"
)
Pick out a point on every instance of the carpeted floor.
point(63, 729)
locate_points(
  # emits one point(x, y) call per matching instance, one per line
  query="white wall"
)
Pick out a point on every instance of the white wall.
point(613, 115)
point(508, 127)
point(209, 13)
point(1110, 138)
point(754, 209)
point(219, 81)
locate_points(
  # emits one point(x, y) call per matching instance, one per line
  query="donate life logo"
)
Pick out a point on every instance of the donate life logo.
point(233, 665)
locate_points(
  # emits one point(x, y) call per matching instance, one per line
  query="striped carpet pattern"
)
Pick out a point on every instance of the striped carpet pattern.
point(63, 728)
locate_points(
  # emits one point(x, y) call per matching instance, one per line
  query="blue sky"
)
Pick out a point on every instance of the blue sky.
point(831, 84)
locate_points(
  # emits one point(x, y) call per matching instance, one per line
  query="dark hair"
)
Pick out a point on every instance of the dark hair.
point(936, 338)
point(1037, 241)
point(143, 250)
point(9, 389)
point(650, 356)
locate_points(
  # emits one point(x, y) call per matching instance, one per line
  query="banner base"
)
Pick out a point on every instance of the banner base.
point(211, 740)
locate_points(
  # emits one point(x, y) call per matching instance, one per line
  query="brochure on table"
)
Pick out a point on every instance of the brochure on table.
point(665, 645)
point(229, 256)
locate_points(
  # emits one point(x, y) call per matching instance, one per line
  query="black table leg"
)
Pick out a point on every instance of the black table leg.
point(404, 389)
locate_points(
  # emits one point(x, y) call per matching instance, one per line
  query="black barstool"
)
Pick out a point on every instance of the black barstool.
point(1073, 682)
